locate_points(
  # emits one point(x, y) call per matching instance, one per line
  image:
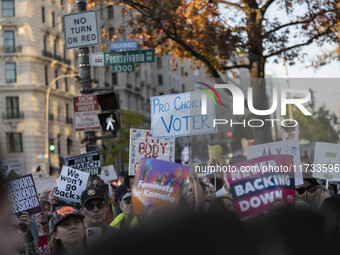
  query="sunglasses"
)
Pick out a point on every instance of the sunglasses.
point(99, 205)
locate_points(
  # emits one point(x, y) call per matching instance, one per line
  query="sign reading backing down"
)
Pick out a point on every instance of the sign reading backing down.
point(81, 29)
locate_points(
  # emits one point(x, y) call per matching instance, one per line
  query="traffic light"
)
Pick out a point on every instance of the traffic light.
point(109, 117)
point(51, 145)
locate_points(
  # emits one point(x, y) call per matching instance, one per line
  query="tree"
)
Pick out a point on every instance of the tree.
point(317, 127)
point(118, 147)
point(211, 32)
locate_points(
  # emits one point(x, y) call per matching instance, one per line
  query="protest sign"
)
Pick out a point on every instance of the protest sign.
point(71, 184)
point(181, 115)
point(256, 184)
point(23, 195)
point(326, 161)
point(12, 164)
point(143, 145)
point(157, 185)
point(88, 162)
point(108, 173)
point(288, 147)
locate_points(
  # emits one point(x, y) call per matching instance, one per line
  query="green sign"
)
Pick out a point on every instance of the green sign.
point(129, 57)
point(123, 68)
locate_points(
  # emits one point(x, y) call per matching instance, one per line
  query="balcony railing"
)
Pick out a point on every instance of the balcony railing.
point(11, 49)
point(13, 116)
point(46, 53)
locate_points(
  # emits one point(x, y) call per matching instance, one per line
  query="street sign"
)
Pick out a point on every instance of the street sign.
point(86, 110)
point(123, 68)
point(109, 121)
point(123, 45)
point(81, 29)
point(123, 57)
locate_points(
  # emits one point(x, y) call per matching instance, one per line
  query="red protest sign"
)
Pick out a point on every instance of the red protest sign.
point(256, 184)
point(86, 110)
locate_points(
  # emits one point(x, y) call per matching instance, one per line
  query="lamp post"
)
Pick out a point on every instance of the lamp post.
point(47, 113)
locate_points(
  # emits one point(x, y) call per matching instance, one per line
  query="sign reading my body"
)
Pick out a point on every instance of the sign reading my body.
point(197, 121)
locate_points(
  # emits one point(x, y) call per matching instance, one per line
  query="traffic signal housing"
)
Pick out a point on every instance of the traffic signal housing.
point(109, 116)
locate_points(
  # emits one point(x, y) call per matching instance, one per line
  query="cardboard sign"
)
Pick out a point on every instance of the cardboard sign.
point(108, 173)
point(143, 145)
point(256, 184)
point(88, 162)
point(181, 115)
point(288, 147)
point(12, 164)
point(71, 184)
point(157, 185)
point(326, 161)
point(23, 195)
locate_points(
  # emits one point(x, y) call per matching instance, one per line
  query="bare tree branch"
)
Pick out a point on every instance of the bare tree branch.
point(283, 26)
point(229, 3)
point(328, 31)
point(236, 66)
point(266, 5)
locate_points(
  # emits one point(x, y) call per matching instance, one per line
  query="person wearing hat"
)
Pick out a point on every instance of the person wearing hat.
point(67, 231)
point(94, 207)
point(127, 218)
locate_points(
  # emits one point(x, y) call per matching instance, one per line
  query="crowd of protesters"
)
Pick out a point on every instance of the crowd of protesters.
point(203, 222)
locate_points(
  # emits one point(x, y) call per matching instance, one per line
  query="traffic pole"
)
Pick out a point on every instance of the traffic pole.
point(85, 79)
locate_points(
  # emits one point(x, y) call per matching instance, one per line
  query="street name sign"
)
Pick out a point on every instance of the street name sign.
point(81, 29)
point(123, 45)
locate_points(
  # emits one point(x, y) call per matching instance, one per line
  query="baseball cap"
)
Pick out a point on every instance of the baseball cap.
point(127, 195)
point(91, 193)
point(122, 173)
point(61, 213)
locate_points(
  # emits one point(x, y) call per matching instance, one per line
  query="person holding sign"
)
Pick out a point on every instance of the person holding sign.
point(67, 231)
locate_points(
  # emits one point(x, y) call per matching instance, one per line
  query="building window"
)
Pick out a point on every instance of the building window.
point(114, 79)
point(11, 72)
point(43, 14)
point(59, 145)
point(66, 85)
point(55, 48)
point(46, 76)
point(160, 79)
point(7, 7)
point(53, 20)
point(45, 44)
point(110, 11)
point(9, 41)
point(159, 62)
point(14, 142)
point(111, 32)
point(56, 82)
point(12, 107)
point(69, 146)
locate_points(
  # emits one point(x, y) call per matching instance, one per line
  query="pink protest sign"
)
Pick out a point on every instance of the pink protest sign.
point(258, 183)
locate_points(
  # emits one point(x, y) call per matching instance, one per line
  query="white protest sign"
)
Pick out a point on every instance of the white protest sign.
point(181, 115)
point(143, 145)
point(88, 162)
point(12, 164)
point(287, 147)
point(108, 173)
point(327, 161)
point(71, 184)
point(81, 29)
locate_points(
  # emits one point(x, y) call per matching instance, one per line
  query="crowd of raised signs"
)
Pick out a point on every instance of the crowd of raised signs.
point(166, 207)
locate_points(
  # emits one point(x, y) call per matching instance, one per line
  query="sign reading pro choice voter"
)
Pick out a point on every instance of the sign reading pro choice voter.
point(180, 115)
point(81, 29)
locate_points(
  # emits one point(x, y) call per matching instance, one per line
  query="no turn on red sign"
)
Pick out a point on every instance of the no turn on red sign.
point(81, 29)
point(86, 110)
